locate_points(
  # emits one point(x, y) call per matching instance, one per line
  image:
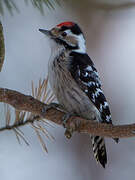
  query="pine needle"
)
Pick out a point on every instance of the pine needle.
point(40, 139)
point(42, 93)
point(46, 95)
point(22, 116)
point(50, 99)
point(21, 132)
point(47, 123)
point(45, 132)
point(17, 137)
point(17, 116)
point(32, 87)
point(21, 136)
point(11, 6)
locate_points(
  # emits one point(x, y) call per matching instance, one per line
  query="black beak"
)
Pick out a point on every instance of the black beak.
point(46, 32)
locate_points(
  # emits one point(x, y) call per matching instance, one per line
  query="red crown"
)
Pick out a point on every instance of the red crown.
point(66, 24)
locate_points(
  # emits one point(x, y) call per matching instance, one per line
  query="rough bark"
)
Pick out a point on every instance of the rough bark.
point(28, 103)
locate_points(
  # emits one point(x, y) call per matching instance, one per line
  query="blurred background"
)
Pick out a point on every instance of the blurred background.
point(109, 28)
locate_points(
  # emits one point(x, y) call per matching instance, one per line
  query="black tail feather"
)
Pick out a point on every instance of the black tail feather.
point(99, 150)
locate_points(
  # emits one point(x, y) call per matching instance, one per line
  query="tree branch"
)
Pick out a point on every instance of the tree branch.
point(28, 103)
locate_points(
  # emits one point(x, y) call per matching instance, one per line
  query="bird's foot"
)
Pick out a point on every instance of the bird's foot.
point(52, 105)
point(69, 129)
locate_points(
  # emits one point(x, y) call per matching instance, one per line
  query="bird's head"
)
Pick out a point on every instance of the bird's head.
point(67, 34)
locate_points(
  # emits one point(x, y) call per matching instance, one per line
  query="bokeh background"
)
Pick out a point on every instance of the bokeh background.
point(109, 28)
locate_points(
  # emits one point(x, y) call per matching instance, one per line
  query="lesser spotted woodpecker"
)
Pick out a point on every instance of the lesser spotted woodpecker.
point(75, 80)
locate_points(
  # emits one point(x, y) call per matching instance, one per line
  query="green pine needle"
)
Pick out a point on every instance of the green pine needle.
point(11, 6)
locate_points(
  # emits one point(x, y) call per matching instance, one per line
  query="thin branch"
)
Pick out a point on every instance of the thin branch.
point(28, 103)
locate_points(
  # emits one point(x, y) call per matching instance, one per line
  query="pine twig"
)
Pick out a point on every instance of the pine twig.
point(28, 103)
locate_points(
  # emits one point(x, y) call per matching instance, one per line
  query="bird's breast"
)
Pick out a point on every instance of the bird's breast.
point(66, 90)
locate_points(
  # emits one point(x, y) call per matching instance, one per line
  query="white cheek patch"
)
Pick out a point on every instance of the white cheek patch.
point(81, 42)
point(69, 33)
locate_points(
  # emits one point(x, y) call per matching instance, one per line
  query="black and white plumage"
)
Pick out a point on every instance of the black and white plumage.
point(75, 80)
point(86, 75)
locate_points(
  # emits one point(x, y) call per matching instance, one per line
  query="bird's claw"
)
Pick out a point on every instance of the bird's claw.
point(69, 130)
point(68, 133)
point(52, 105)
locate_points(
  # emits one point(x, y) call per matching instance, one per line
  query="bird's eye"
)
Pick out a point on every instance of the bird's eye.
point(64, 34)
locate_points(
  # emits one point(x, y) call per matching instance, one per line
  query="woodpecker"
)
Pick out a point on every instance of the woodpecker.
point(75, 80)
